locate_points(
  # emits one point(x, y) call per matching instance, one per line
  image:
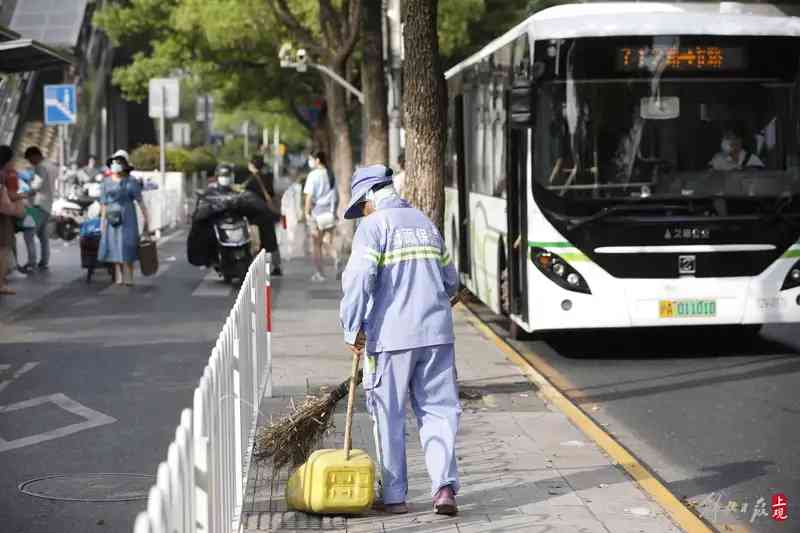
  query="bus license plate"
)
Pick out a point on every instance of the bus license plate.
point(687, 308)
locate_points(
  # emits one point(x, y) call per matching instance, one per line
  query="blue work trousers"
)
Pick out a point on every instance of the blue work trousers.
point(426, 376)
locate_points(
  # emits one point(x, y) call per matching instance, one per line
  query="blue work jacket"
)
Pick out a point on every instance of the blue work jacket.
point(398, 281)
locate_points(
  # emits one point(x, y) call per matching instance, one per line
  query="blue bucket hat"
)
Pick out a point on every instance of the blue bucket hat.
point(362, 182)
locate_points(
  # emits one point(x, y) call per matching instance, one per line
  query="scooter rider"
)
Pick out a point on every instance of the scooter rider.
point(396, 287)
point(224, 183)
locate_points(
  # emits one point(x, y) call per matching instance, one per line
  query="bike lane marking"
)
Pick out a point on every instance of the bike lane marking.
point(25, 368)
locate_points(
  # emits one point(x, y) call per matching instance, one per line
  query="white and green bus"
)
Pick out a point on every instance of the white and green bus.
point(630, 164)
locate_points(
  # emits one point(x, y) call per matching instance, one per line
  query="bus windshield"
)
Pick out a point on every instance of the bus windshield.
point(667, 117)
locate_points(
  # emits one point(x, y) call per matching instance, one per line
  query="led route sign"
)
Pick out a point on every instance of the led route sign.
point(680, 58)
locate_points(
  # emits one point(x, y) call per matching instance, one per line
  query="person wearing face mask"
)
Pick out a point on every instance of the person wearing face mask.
point(119, 242)
point(733, 156)
point(224, 183)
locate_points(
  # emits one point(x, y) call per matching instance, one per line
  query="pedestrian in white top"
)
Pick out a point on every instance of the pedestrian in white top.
point(320, 212)
point(733, 156)
point(42, 198)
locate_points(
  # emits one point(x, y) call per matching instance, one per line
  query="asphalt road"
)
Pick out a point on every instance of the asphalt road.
point(715, 415)
point(92, 380)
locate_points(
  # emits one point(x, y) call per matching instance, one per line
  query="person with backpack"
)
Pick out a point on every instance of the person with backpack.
point(320, 211)
point(261, 183)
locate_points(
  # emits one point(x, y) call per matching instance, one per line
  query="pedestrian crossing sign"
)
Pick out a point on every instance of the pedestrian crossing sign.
point(60, 105)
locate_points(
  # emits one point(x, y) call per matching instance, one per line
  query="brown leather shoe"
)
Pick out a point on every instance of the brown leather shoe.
point(390, 508)
point(445, 502)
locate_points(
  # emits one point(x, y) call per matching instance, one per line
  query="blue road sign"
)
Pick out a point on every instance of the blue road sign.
point(60, 104)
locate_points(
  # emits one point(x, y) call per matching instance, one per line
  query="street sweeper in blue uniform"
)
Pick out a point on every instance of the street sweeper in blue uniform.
point(397, 286)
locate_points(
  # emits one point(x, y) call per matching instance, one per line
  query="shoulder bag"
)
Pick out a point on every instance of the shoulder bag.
point(327, 220)
point(267, 198)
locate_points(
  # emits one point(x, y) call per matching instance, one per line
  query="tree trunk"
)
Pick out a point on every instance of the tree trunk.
point(341, 156)
point(425, 109)
point(373, 83)
point(341, 148)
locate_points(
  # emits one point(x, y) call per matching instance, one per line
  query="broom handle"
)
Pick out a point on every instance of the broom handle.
point(351, 396)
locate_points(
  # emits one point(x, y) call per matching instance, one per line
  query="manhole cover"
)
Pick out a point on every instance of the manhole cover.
point(104, 487)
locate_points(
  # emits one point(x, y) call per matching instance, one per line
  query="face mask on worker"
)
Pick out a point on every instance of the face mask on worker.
point(116, 168)
point(224, 181)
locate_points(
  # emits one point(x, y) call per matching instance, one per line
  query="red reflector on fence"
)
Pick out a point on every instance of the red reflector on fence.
point(268, 302)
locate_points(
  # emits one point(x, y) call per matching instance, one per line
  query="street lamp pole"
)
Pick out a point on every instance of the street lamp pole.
point(301, 64)
point(341, 81)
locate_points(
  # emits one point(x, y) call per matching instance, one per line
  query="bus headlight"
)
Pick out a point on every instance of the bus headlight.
point(559, 271)
point(792, 279)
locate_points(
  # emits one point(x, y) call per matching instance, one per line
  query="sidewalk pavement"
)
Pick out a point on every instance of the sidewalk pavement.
point(523, 465)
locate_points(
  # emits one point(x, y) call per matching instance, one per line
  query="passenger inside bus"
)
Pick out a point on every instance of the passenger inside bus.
point(733, 155)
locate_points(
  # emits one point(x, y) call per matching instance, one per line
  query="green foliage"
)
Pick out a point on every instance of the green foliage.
point(146, 157)
point(267, 115)
point(179, 160)
point(139, 21)
point(232, 152)
point(454, 18)
point(462, 32)
point(203, 159)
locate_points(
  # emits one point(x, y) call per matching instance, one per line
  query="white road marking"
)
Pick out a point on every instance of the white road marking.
point(165, 240)
point(212, 286)
point(93, 419)
point(25, 368)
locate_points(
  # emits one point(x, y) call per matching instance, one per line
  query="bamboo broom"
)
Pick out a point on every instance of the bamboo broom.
point(290, 440)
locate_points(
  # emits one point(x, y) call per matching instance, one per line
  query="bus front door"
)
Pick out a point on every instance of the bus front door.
point(516, 212)
point(464, 263)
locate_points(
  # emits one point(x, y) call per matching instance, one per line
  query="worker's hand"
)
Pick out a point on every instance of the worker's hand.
point(357, 350)
point(358, 347)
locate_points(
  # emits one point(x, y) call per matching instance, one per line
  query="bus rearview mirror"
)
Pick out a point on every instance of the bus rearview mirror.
point(521, 105)
point(655, 108)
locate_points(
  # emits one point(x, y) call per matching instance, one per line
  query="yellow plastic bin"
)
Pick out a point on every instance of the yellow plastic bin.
point(335, 481)
point(328, 483)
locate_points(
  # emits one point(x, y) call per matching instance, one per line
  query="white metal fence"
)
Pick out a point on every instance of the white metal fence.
point(199, 488)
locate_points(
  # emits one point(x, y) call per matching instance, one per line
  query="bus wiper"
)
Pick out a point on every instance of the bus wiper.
point(624, 208)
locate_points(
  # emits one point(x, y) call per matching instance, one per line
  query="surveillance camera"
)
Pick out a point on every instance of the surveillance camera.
point(286, 49)
point(302, 56)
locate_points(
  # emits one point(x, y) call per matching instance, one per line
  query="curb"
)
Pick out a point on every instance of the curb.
point(680, 514)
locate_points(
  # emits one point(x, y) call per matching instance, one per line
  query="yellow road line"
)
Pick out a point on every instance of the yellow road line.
point(679, 513)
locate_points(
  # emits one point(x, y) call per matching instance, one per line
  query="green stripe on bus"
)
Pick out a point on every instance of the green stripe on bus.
point(561, 244)
point(792, 253)
point(574, 257)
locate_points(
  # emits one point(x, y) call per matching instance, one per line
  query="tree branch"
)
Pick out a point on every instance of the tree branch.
point(354, 22)
point(331, 21)
point(299, 32)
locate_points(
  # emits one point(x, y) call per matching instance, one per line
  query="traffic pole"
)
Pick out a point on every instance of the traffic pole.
point(163, 133)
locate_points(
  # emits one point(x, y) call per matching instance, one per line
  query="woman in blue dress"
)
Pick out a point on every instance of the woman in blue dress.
point(119, 243)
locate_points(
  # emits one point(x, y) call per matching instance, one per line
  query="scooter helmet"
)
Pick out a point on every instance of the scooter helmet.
point(224, 175)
